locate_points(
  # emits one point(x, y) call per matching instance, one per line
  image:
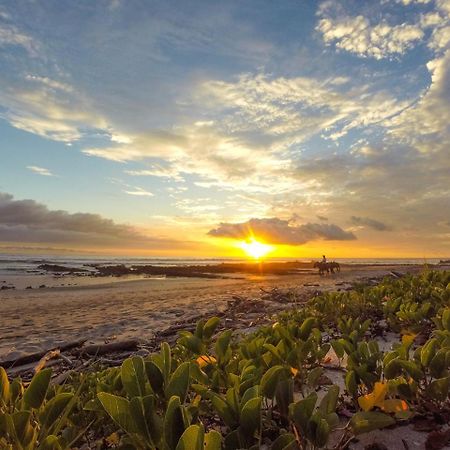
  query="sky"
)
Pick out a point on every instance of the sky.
point(182, 128)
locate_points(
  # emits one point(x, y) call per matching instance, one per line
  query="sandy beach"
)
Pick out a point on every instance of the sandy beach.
point(41, 319)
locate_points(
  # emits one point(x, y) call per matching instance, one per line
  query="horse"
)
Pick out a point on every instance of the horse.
point(327, 267)
point(334, 266)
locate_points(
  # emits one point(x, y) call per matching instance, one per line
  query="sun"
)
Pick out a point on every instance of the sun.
point(255, 249)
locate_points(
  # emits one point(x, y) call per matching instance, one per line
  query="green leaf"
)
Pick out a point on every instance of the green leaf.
point(428, 351)
point(313, 376)
point(270, 379)
point(154, 422)
point(213, 440)
point(251, 392)
point(179, 382)
point(191, 342)
point(118, 409)
point(363, 422)
point(439, 363)
point(192, 438)
point(4, 386)
point(446, 319)
point(274, 351)
point(338, 348)
point(225, 412)
point(35, 393)
point(284, 442)
point(329, 401)
point(439, 389)
point(210, 327)
point(322, 433)
point(155, 376)
point(50, 443)
point(53, 409)
point(166, 360)
point(232, 399)
point(174, 422)
point(23, 430)
point(351, 384)
point(138, 414)
point(392, 369)
point(132, 374)
point(222, 343)
point(412, 369)
point(306, 328)
point(251, 416)
point(302, 410)
point(284, 395)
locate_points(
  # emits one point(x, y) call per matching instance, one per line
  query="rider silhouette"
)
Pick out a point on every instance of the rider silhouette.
point(324, 259)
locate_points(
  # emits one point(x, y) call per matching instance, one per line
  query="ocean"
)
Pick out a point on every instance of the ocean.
point(28, 264)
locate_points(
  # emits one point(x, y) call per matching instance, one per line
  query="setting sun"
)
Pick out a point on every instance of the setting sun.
point(256, 249)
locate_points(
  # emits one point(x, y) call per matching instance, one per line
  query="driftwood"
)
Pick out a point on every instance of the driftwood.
point(103, 349)
point(33, 357)
point(47, 357)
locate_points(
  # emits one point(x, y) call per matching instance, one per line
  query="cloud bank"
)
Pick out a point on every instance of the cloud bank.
point(370, 223)
point(32, 222)
point(281, 232)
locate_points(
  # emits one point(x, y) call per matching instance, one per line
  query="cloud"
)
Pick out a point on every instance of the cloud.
point(278, 231)
point(157, 171)
point(357, 35)
point(139, 192)
point(32, 222)
point(41, 171)
point(10, 35)
point(202, 150)
point(288, 111)
point(425, 125)
point(371, 223)
point(49, 108)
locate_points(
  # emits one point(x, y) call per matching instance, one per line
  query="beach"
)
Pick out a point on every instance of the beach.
point(114, 309)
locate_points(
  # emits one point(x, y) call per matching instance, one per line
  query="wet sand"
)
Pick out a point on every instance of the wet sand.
point(41, 319)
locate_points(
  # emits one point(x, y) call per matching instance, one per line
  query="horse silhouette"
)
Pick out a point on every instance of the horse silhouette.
point(327, 267)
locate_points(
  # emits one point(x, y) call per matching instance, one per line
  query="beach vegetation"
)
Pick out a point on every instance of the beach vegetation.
point(215, 388)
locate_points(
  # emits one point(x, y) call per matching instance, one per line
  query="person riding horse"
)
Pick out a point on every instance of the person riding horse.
point(327, 267)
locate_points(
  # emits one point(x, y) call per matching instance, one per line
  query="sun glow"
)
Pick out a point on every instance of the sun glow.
point(255, 249)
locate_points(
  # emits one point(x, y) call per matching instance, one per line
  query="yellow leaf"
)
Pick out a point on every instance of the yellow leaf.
point(376, 398)
point(408, 338)
point(205, 360)
point(196, 400)
point(113, 439)
point(393, 406)
point(294, 371)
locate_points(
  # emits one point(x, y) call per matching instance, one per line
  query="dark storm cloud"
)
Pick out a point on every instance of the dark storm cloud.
point(30, 221)
point(278, 231)
point(371, 223)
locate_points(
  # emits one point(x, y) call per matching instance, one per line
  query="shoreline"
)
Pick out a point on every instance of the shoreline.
point(109, 275)
point(42, 319)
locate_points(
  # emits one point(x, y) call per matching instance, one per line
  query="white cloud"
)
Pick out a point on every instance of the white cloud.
point(40, 171)
point(54, 84)
point(357, 35)
point(52, 110)
point(291, 110)
point(203, 151)
point(157, 171)
point(139, 192)
point(426, 124)
point(10, 35)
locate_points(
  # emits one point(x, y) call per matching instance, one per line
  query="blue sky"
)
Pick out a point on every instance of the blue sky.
point(183, 124)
